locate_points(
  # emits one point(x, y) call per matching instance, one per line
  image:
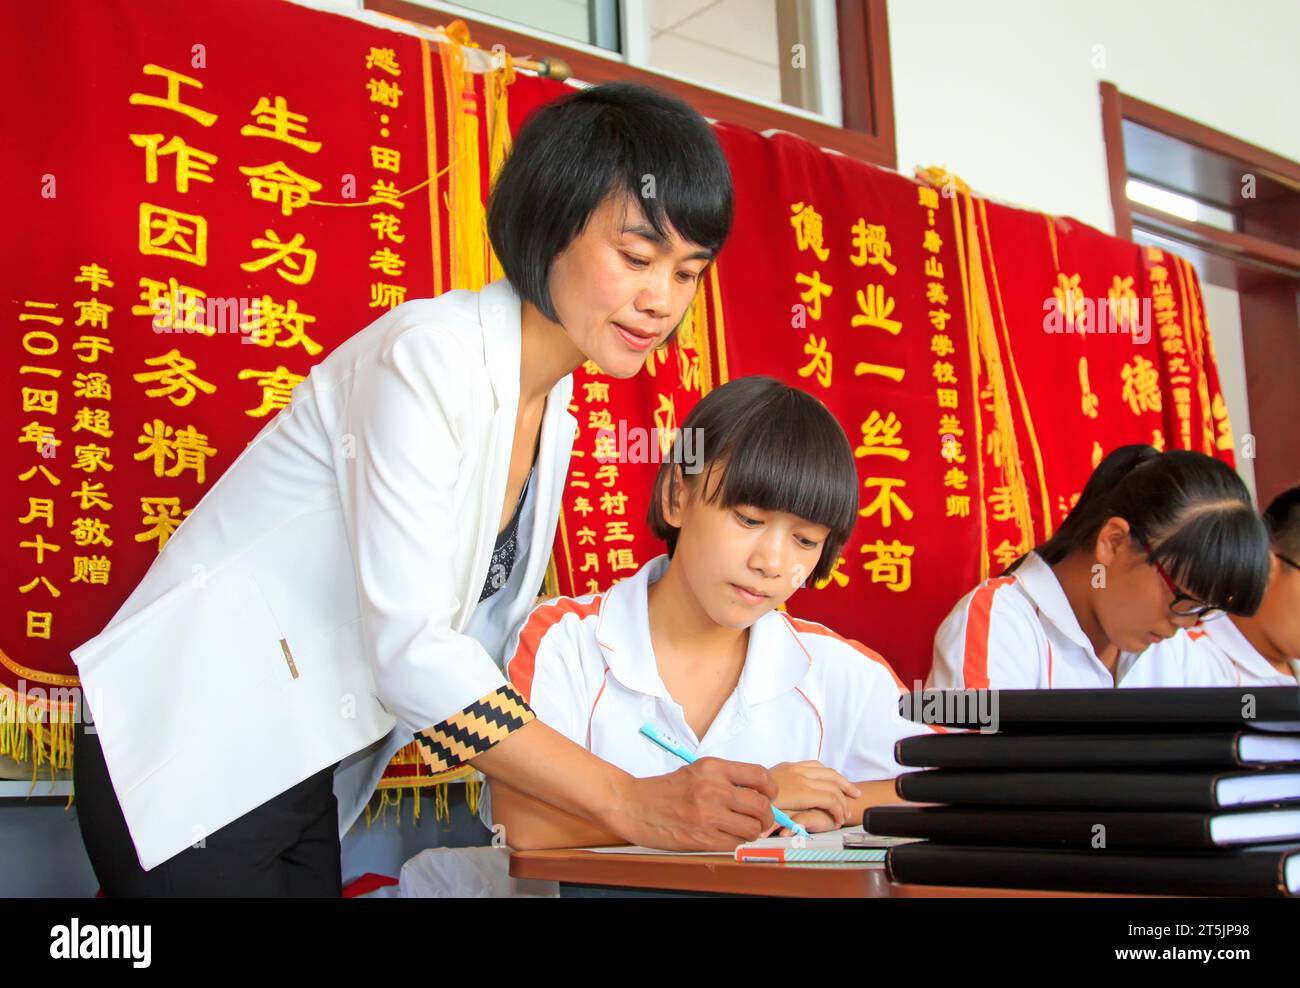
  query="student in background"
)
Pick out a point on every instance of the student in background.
point(1263, 649)
point(694, 642)
point(1155, 542)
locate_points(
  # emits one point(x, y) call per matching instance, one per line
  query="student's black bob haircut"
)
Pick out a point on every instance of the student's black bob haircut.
point(1194, 512)
point(778, 449)
point(608, 140)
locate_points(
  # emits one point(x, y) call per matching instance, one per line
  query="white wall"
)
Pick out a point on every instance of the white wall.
point(1005, 94)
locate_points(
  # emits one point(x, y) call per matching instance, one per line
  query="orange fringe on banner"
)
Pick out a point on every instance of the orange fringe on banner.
point(38, 729)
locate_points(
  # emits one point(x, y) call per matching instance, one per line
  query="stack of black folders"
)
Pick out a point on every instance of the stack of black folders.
point(1185, 791)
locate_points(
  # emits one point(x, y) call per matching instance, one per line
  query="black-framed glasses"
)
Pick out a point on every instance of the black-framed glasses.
point(1183, 604)
point(1287, 560)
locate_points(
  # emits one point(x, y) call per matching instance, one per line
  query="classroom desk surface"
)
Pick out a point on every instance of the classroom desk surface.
point(721, 875)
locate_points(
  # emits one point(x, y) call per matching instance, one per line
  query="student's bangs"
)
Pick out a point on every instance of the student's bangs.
point(776, 448)
point(1219, 554)
point(777, 468)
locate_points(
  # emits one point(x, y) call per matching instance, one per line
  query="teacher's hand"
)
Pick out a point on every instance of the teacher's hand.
point(711, 805)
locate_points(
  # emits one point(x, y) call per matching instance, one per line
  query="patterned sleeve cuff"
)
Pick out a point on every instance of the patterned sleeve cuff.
point(474, 730)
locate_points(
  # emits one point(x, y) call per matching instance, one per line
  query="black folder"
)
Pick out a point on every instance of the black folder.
point(1261, 708)
point(1156, 790)
point(1263, 870)
point(1086, 829)
point(1221, 749)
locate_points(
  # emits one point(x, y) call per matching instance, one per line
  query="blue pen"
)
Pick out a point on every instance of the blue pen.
point(672, 747)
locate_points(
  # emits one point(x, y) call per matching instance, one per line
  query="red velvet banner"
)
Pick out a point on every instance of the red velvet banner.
point(208, 205)
point(216, 199)
point(981, 359)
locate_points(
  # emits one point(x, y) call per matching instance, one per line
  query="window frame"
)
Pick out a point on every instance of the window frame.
point(866, 86)
point(1258, 260)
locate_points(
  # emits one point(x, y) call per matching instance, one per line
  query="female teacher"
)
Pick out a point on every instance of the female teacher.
point(351, 579)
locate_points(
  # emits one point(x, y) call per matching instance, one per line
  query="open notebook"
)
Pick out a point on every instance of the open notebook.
point(828, 846)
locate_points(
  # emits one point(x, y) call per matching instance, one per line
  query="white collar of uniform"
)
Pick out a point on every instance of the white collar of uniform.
point(501, 316)
point(623, 630)
point(775, 660)
point(1223, 631)
point(1045, 590)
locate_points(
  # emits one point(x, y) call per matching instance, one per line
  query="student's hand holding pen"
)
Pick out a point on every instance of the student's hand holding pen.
point(813, 821)
point(810, 785)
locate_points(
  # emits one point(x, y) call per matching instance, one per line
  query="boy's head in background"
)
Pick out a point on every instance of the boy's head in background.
point(1278, 617)
point(773, 502)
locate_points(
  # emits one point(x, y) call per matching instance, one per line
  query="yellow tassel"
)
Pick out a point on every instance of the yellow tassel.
point(496, 90)
point(693, 337)
point(1012, 473)
point(1026, 417)
point(473, 793)
point(551, 582)
point(938, 178)
point(1198, 334)
point(465, 202)
point(713, 353)
point(36, 731)
point(984, 333)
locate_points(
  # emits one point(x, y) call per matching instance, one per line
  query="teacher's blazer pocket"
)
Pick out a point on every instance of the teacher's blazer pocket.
point(183, 670)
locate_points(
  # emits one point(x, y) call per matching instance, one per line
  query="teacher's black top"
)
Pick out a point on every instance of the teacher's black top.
point(503, 553)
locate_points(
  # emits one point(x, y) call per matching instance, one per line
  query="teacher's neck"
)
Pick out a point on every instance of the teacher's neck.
point(546, 355)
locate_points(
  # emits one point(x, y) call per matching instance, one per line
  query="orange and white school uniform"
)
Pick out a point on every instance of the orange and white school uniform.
point(1019, 632)
point(1222, 644)
point(587, 667)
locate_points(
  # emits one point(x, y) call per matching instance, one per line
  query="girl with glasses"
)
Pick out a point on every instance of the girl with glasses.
point(1156, 542)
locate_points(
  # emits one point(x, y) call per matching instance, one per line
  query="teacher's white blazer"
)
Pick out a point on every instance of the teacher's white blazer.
point(320, 603)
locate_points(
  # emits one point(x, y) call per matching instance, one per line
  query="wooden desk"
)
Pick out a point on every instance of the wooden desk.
point(721, 875)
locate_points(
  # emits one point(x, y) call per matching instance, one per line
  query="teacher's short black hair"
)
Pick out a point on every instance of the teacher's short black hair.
point(572, 154)
point(778, 449)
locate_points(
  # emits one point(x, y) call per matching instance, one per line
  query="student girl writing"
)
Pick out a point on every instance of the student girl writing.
point(694, 643)
point(1155, 542)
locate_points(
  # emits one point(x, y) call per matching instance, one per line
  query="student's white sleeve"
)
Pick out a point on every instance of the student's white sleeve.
point(398, 481)
point(992, 639)
point(1203, 665)
point(880, 728)
point(544, 663)
point(1177, 661)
